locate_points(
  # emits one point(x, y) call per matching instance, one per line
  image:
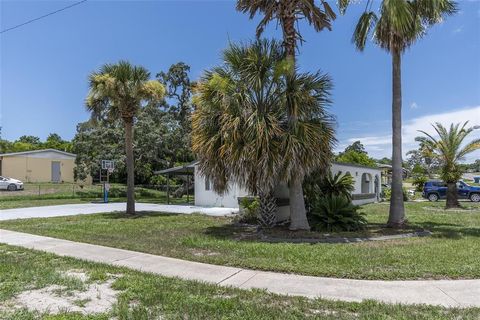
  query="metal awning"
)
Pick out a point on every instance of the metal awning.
point(187, 169)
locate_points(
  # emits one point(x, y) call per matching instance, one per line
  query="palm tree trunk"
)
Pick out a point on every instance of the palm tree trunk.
point(298, 214)
point(452, 198)
point(130, 166)
point(396, 216)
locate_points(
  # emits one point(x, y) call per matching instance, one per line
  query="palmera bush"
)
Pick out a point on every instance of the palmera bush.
point(336, 213)
point(329, 203)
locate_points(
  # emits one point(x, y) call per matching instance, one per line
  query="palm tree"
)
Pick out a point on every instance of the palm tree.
point(288, 13)
point(400, 24)
point(448, 148)
point(240, 129)
point(118, 91)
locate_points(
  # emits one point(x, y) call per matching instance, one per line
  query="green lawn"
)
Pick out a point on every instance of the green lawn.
point(452, 252)
point(146, 296)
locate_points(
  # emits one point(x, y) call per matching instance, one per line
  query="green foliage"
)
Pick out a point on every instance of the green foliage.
point(242, 115)
point(336, 213)
point(162, 135)
point(400, 23)
point(449, 148)
point(387, 194)
point(250, 207)
point(318, 184)
point(419, 181)
point(356, 157)
point(29, 143)
point(357, 146)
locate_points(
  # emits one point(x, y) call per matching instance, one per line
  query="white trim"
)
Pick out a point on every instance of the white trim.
point(37, 151)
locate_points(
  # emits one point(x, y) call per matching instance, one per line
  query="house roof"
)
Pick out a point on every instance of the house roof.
point(37, 151)
point(180, 170)
point(355, 165)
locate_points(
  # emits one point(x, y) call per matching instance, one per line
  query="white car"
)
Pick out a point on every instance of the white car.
point(10, 184)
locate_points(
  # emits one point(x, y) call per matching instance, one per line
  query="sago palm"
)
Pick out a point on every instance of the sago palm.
point(398, 26)
point(287, 13)
point(118, 91)
point(448, 148)
point(240, 129)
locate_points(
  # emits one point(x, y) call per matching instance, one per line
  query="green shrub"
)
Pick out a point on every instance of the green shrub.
point(419, 181)
point(250, 206)
point(387, 194)
point(319, 185)
point(336, 213)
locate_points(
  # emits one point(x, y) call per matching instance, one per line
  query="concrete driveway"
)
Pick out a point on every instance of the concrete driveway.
point(89, 208)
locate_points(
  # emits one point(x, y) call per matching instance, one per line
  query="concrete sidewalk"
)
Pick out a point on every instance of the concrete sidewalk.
point(448, 293)
point(89, 208)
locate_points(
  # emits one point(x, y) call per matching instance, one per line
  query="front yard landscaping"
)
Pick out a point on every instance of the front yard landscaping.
point(451, 252)
point(63, 284)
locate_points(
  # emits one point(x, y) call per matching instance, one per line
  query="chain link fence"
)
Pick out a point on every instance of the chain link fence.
point(153, 193)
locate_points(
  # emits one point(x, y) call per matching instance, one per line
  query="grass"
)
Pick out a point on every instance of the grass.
point(450, 253)
point(147, 296)
point(46, 194)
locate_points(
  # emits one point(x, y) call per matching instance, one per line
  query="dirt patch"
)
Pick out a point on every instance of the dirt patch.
point(98, 297)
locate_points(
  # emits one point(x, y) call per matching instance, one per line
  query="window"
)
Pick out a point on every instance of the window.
point(207, 184)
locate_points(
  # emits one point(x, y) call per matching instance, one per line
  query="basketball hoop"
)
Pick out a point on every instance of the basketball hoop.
point(110, 170)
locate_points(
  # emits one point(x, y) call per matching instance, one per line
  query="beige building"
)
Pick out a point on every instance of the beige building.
point(48, 165)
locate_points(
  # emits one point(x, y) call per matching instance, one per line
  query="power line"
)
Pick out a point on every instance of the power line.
point(44, 16)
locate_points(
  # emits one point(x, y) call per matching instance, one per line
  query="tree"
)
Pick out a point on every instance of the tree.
point(400, 24)
point(356, 157)
point(161, 139)
point(287, 13)
point(423, 157)
point(448, 148)
point(357, 146)
point(54, 141)
point(241, 130)
point(118, 91)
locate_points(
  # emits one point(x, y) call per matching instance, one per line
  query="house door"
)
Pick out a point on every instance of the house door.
point(56, 174)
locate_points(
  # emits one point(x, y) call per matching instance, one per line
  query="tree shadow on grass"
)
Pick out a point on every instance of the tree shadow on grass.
point(450, 230)
point(138, 215)
point(281, 234)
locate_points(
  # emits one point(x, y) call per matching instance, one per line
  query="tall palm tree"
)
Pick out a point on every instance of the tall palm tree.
point(448, 148)
point(400, 24)
point(118, 91)
point(240, 129)
point(287, 13)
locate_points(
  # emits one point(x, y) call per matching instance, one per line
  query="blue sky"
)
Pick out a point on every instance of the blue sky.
point(44, 65)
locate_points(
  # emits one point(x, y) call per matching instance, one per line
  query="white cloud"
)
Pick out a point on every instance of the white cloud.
point(457, 30)
point(382, 141)
point(414, 105)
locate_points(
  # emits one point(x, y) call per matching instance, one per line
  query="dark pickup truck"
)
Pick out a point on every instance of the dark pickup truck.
point(434, 190)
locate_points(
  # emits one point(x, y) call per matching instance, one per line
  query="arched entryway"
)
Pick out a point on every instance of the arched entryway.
point(367, 183)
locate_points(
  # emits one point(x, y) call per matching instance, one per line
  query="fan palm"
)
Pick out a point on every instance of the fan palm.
point(288, 13)
point(118, 91)
point(240, 129)
point(448, 148)
point(399, 25)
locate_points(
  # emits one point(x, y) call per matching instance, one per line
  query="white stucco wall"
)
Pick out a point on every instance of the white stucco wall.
point(209, 198)
point(357, 173)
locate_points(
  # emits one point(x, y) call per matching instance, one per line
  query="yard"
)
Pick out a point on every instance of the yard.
point(451, 252)
point(63, 283)
point(46, 194)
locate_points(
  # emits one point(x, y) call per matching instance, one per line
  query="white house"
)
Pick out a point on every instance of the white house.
point(367, 186)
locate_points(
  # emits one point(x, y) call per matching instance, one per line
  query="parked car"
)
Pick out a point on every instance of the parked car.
point(10, 184)
point(434, 190)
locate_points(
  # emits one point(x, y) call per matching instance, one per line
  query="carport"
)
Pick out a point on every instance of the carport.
point(187, 170)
